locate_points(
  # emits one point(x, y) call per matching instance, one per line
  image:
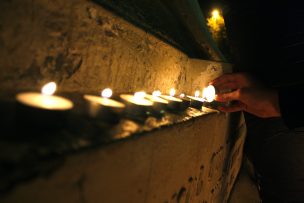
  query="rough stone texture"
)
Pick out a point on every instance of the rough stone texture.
point(194, 161)
point(85, 48)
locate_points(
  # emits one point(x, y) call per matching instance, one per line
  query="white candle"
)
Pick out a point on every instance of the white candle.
point(209, 93)
point(138, 99)
point(105, 99)
point(155, 97)
point(45, 100)
point(196, 101)
point(182, 95)
point(138, 107)
point(103, 107)
point(156, 93)
point(171, 96)
point(196, 98)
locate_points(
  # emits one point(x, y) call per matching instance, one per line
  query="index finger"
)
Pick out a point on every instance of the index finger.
point(226, 78)
point(230, 96)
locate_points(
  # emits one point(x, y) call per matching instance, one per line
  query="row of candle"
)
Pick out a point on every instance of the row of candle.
point(140, 101)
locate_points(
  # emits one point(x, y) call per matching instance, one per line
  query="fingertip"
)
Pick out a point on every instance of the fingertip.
point(219, 98)
point(216, 97)
point(213, 82)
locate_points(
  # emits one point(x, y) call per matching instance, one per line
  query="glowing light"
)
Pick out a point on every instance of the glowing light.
point(172, 92)
point(215, 14)
point(104, 101)
point(215, 22)
point(182, 95)
point(197, 93)
point(209, 93)
point(49, 88)
point(137, 98)
point(139, 95)
point(106, 93)
point(156, 93)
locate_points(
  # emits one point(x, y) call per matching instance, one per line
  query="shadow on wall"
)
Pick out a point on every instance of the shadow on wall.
point(157, 18)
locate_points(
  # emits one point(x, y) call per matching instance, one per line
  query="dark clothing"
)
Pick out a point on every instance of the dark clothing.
point(291, 106)
point(267, 39)
point(277, 155)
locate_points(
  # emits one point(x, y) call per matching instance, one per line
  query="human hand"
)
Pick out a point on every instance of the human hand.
point(249, 95)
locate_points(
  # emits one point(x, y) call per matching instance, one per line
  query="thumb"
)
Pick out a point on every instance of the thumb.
point(230, 96)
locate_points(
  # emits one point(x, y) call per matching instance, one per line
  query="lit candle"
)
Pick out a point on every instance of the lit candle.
point(44, 110)
point(156, 99)
point(174, 102)
point(103, 107)
point(138, 99)
point(156, 93)
point(159, 104)
point(209, 96)
point(137, 105)
point(186, 101)
point(196, 101)
point(45, 99)
point(209, 93)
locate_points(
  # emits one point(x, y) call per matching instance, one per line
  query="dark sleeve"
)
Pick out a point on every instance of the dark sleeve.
point(291, 106)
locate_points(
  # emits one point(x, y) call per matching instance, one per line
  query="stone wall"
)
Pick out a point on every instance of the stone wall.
point(195, 161)
point(84, 48)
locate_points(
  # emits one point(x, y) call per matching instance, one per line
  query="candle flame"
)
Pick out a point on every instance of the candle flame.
point(215, 14)
point(197, 93)
point(182, 95)
point(209, 93)
point(107, 93)
point(172, 92)
point(156, 93)
point(49, 88)
point(139, 95)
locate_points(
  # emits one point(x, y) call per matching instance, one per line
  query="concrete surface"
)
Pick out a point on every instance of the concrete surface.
point(194, 161)
point(85, 48)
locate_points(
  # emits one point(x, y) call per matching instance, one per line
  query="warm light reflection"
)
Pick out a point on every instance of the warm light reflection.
point(49, 88)
point(209, 93)
point(156, 93)
point(197, 93)
point(172, 92)
point(182, 95)
point(106, 93)
point(139, 95)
